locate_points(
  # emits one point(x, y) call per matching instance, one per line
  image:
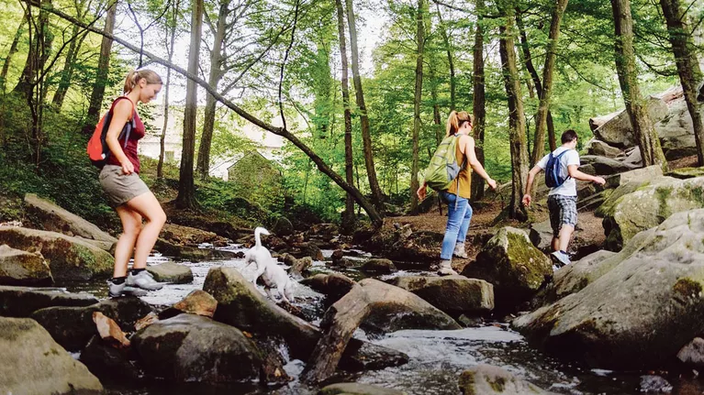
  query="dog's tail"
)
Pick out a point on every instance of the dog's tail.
point(257, 235)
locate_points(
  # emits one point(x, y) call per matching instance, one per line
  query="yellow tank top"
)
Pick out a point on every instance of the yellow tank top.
point(465, 176)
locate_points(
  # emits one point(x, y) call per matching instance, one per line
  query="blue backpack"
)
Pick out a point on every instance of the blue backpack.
point(552, 171)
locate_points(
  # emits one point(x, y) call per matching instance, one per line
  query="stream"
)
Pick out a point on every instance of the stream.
point(437, 357)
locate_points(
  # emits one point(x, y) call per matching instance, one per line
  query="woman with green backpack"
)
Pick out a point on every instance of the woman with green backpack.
point(454, 185)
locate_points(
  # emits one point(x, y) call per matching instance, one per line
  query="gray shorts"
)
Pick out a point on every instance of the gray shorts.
point(563, 210)
point(120, 188)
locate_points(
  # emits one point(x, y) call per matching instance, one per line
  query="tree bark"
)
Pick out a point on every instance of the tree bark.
point(186, 187)
point(643, 128)
point(67, 72)
point(420, 43)
point(376, 218)
point(96, 97)
point(478, 100)
point(450, 59)
point(348, 217)
point(203, 165)
point(519, 153)
point(10, 54)
point(377, 198)
point(162, 137)
point(687, 66)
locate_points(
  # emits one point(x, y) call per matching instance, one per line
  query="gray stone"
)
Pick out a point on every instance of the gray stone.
point(600, 148)
point(606, 166)
point(639, 313)
point(454, 295)
point(617, 131)
point(378, 265)
point(33, 364)
point(639, 176)
point(19, 267)
point(693, 353)
point(676, 131)
point(23, 301)
point(170, 272)
point(357, 389)
point(540, 235)
point(69, 258)
point(488, 380)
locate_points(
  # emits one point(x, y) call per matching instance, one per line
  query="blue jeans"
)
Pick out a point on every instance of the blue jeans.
point(459, 213)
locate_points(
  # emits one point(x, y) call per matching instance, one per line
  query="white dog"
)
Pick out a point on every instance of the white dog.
point(272, 274)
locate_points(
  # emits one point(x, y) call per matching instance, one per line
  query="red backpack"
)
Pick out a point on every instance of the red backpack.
point(98, 150)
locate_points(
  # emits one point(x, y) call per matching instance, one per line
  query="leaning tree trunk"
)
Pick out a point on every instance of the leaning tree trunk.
point(348, 217)
point(478, 100)
point(643, 128)
point(13, 50)
point(517, 127)
point(203, 165)
point(377, 198)
point(687, 66)
point(186, 188)
point(101, 79)
point(162, 137)
point(420, 42)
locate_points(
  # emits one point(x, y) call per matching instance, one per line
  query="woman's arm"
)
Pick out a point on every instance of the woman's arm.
point(468, 145)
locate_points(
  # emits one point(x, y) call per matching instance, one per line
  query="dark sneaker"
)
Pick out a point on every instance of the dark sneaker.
point(560, 258)
point(117, 290)
point(143, 280)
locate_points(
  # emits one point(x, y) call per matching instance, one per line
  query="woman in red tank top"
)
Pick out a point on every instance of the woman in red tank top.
point(128, 194)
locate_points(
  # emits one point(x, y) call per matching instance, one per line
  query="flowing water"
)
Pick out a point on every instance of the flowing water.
point(436, 357)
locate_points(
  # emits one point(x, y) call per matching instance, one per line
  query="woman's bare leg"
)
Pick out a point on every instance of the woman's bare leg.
point(150, 209)
point(131, 227)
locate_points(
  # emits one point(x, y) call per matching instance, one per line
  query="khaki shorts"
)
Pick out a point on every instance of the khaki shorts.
point(120, 188)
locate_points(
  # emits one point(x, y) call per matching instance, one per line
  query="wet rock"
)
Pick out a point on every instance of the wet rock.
point(487, 380)
point(652, 384)
point(617, 131)
point(46, 215)
point(512, 265)
point(470, 322)
point(403, 244)
point(313, 251)
point(380, 266)
point(19, 267)
point(600, 148)
point(33, 364)
point(109, 363)
point(359, 356)
point(69, 258)
point(337, 256)
point(333, 285)
point(197, 302)
point(170, 272)
point(23, 301)
point(640, 313)
point(324, 231)
point(282, 227)
point(183, 252)
point(452, 294)
point(300, 266)
point(72, 327)
point(191, 348)
point(357, 389)
point(540, 235)
point(648, 206)
point(693, 353)
point(186, 235)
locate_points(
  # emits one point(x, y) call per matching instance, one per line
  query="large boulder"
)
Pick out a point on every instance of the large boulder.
point(46, 215)
point(333, 285)
point(73, 327)
point(617, 131)
point(454, 295)
point(676, 131)
point(600, 148)
point(23, 301)
point(606, 166)
point(69, 258)
point(493, 380)
point(648, 206)
point(378, 265)
point(33, 364)
point(192, 348)
point(19, 267)
point(640, 313)
point(512, 264)
point(637, 176)
point(170, 272)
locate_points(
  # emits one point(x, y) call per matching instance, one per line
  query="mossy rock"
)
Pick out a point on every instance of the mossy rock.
point(493, 380)
point(686, 172)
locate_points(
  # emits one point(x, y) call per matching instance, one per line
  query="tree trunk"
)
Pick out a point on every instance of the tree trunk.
point(450, 59)
point(377, 198)
point(186, 188)
point(375, 217)
point(162, 138)
point(348, 217)
point(203, 165)
point(420, 42)
point(643, 128)
point(519, 154)
point(67, 72)
point(478, 100)
point(96, 98)
point(687, 66)
point(541, 122)
point(12, 52)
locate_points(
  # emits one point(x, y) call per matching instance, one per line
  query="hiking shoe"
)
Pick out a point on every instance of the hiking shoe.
point(117, 290)
point(459, 251)
point(560, 258)
point(446, 269)
point(143, 280)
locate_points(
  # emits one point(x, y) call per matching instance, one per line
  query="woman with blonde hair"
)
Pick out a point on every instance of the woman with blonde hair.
point(459, 211)
point(126, 192)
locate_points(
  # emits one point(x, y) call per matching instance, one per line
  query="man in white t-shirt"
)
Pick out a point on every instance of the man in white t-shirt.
point(562, 199)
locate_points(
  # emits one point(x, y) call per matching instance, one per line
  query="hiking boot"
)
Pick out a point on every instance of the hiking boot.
point(143, 280)
point(446, 269)
point(560, 258)
point(117, 290)
point(459, 251)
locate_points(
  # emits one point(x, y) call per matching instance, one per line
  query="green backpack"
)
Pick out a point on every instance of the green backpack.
point(443, 167)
